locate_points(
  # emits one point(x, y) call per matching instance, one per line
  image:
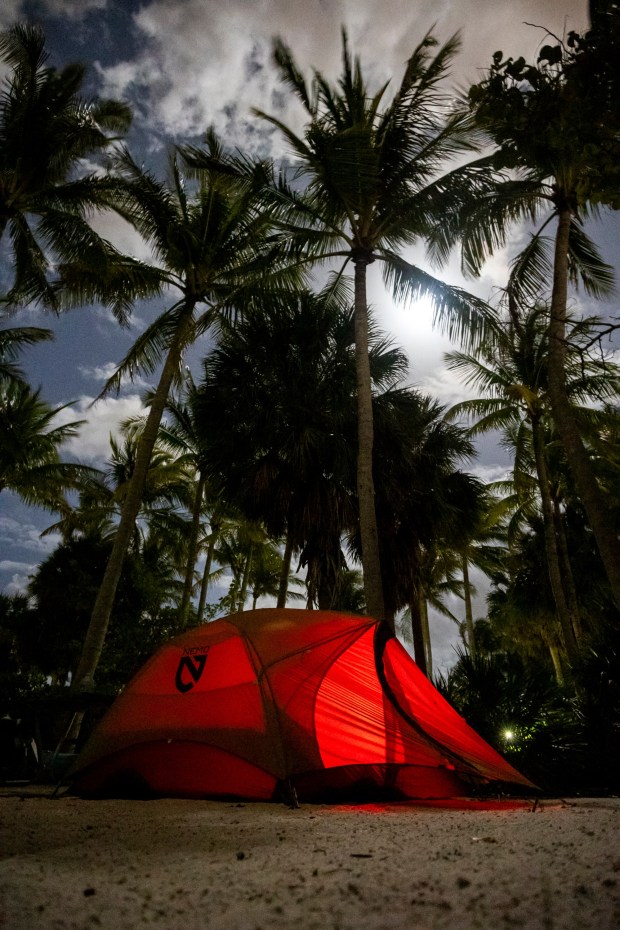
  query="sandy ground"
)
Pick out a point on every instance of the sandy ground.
point(205, 865)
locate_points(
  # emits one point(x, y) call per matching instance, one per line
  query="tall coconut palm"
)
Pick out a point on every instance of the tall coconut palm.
point(521, 605)
point(211, 248)
point(276, 410)
point(512, 369)
point(483, 549)
point(178, 433)
point(242, 550)
point(436, 581)
point(223, 523)
point(371, 185)
point(46, 129)
point(425, 503)
point(559, 134)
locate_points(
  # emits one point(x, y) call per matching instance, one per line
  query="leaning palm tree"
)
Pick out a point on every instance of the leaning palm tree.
point(46, 129)
point(211, 250)
point(371, 185)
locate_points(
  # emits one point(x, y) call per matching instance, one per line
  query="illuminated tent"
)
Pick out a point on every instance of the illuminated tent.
point(266, 702)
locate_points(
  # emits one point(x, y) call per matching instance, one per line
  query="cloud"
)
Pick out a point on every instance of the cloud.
point(102, 374)
point(445, 386)
point(209, 63)
point(6, 565)
point(122, 235)
point(10, 11)
point(17, 537)
point(199, 65)
point(17, 585)
point(445, 638)
point(91, 445)
point(74, 9)
point(491, 472)
point(25, 536)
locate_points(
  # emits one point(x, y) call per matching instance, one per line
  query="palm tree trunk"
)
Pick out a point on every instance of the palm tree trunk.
point(469, 614)
point(554, 652)
point(567, 571)
point(373, 586)
point(285, 571)
point(417, 630)
point(551, 547)
point(597, 511)
point(204, 587)
point(192, 553)
point(95, 636)
point(426, 633)
point(243, 593)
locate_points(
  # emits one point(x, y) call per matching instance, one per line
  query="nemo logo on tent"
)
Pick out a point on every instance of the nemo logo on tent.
point(189, 671)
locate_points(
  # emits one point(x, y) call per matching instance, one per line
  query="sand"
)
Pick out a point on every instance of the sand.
point(206, 865)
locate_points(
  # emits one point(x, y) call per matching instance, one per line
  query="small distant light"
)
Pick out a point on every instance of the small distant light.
point(509, 735)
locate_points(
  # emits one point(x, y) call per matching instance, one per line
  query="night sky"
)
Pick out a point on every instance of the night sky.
point(187, 64)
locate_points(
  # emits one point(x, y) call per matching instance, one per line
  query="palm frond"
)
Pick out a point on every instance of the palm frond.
point(461, 316)
point(482, 220)
point(12, 341)
point(148, 350)
point(531, 271)
point(586, 264)
point(30, 270)
point(106, 276)
point(290, 73)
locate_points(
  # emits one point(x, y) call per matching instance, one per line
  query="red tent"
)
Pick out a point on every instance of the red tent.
point(266, 701)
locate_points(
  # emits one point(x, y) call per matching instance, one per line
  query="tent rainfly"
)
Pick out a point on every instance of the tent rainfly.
point(266, 704)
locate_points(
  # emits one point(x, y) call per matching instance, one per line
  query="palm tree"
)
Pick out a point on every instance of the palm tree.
point(211, 247)
point(425, 504)
point(12, 341)
point(484, 549)
point(273, 409)
point(178, 433)
point(266, 574)
point(372, 185)
point(276, 410)
point(181, 434)
point(30, 463)
point(165, 498)
point(242, 550)
point(436, 580)
point(512, 369)
point(521, 605)
point(559, 134)
point(63, 589)
point(46, 130)
point(223, 523)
